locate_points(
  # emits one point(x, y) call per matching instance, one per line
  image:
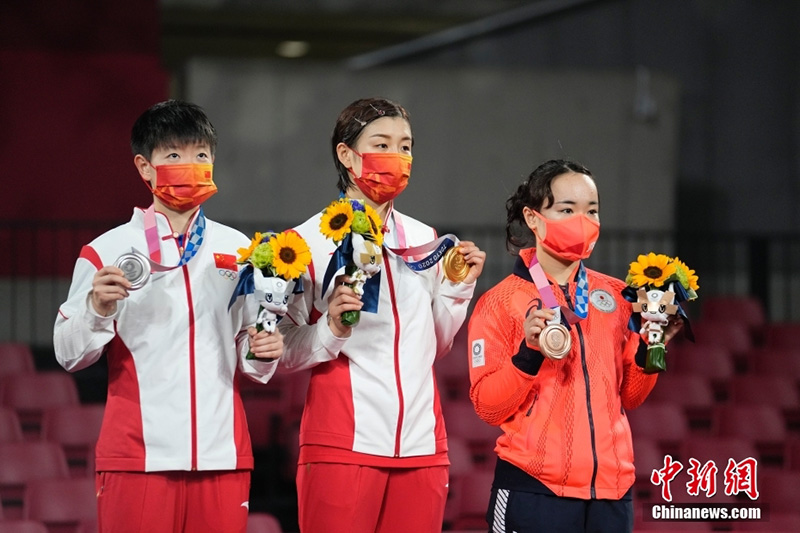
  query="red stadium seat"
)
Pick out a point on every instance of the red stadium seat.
point(10, 428)
point(779, 522)
point(775, 361)
point(23, 462)
point(22, 526)
point(76, 428)
point(452, 370)
point(746, 309)
point(647, 456)
point(472, 494)
point(15, 358)
point(665, 423)
point(715, 362)
point(61, 504)
point(782, 334)
point(732, 335)
point(762, 424)
point(779, 490)
point(792, 454)
point(719, 450)
point(25, 394)
point(692, 392)
point(778, 391)
point(263, 523)
point(462, 421)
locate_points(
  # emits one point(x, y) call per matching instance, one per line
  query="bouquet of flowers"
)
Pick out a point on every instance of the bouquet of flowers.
point(274, 262)
point(657, 284)
point(357, 230)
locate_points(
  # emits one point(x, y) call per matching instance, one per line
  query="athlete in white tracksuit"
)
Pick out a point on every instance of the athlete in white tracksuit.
point(373, 448)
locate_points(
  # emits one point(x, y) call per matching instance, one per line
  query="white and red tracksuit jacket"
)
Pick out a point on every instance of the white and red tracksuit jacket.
point(372, 397)
point(173, 348)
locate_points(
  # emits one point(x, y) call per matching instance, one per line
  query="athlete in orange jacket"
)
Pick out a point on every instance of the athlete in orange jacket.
point(565, 460)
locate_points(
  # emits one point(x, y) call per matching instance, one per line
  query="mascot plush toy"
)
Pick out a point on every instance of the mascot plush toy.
point(273, 294)
point(655, 307)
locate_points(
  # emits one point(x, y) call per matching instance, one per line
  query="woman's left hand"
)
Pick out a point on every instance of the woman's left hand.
point(267, 346)
point(474, 257)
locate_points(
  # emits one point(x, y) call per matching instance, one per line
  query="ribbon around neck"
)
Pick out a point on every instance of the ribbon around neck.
point(568, 316)
point(435, 250)
point(246, 285)
point(191, 245)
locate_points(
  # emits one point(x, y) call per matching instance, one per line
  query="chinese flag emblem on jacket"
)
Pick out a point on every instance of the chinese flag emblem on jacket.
point(226, 261)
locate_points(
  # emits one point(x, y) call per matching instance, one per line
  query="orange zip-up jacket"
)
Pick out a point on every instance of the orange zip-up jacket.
point(564, 421)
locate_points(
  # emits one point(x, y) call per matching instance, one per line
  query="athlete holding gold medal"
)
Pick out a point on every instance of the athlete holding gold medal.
point(373, 448)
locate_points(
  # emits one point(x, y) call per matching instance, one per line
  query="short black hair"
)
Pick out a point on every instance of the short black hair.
point(172, 121)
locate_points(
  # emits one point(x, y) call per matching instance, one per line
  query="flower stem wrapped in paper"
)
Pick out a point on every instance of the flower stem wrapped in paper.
point(657, 284)
point(274, 263)
point(357, 230)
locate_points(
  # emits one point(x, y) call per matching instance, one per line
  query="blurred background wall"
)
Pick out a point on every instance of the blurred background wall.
point(687, 112)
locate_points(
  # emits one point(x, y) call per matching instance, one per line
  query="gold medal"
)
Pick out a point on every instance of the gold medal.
point(455, 267)
point(555, 341)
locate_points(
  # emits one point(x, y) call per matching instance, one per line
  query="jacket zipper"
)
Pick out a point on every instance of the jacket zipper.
point(398, 382)
point(530, 409)
point(584, 367)
point(192, 370)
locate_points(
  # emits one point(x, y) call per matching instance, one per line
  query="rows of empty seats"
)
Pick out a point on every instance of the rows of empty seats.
point(47, 440)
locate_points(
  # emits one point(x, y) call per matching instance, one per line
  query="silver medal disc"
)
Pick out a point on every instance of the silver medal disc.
point(555, 341)
point(135, 267)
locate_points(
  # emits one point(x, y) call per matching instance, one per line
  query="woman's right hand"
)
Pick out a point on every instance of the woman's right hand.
point(109, 285)
point(342, 299)
point(534, 323)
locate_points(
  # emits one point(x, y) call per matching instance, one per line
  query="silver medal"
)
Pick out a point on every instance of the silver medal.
point(135, 267)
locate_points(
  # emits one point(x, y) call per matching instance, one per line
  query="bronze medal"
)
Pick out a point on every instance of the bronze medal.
point(454, 265)
point(135, 267)
point(555, 341)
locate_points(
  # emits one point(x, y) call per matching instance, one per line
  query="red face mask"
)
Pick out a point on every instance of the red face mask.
point(571, 238)
point(383, 175)
point(183, 187)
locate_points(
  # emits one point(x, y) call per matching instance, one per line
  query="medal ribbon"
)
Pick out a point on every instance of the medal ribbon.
point(193, 239)
point(549, 299)
point(436, 248)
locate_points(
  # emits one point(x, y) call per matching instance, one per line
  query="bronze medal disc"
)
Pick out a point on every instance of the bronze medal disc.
point(135, 268)
point(455, 267)
point(555, 341)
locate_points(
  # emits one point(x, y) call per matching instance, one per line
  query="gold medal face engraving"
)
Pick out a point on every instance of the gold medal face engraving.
point(555, 341)
point(455, 267)
point(135, 268)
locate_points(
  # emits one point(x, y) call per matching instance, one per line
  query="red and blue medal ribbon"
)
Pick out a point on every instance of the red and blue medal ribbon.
point(193, 240)
point(568, 316)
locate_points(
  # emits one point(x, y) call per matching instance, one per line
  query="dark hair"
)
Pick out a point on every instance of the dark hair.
point(536, 193)
point(352, 121)
point(172, 121)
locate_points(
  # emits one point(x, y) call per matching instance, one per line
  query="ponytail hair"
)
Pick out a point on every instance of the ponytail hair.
point(535, 192)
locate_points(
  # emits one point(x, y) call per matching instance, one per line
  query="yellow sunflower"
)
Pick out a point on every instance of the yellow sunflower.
point(336, 220)
point(245, 253)
point(687, 277)
point(291, 255)
point(651, 269)
point(376, 225)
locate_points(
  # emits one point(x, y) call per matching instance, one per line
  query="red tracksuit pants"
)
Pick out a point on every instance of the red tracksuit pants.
point(170, 502)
